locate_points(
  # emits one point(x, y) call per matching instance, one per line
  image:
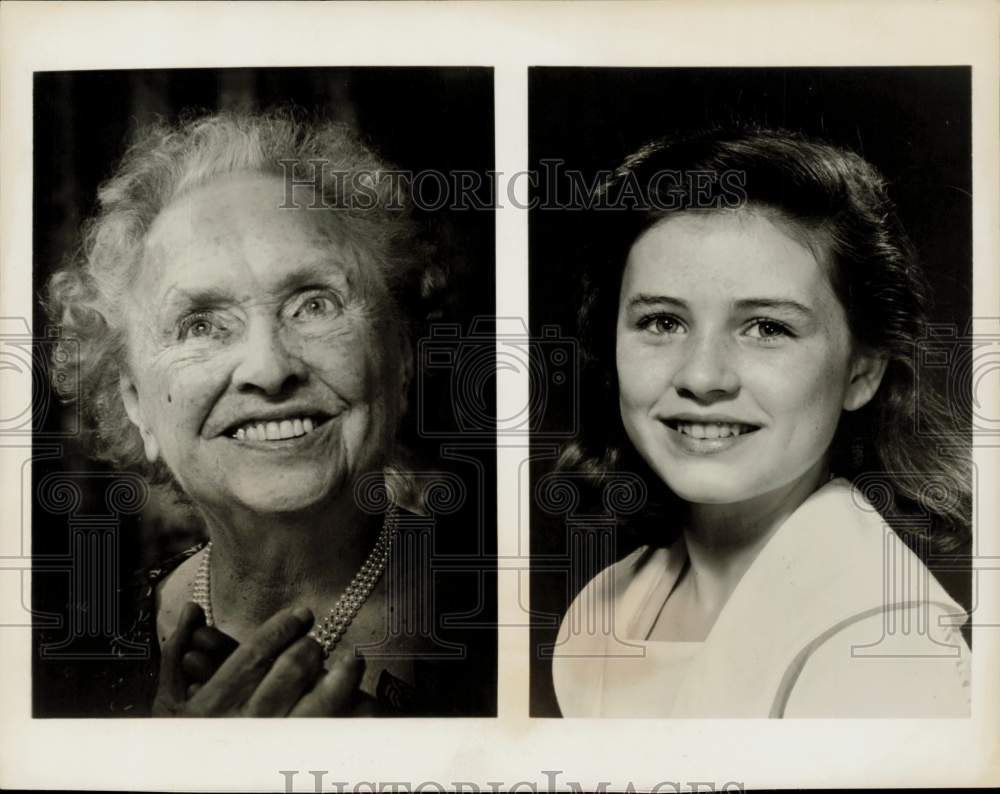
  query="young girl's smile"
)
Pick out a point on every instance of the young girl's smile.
point(734, 356)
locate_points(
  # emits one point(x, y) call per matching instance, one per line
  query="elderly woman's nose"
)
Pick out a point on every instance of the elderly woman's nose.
point(708, 369)
point(268, 363)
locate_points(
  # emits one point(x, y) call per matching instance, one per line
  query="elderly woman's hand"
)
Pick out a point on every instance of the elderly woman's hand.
point(278, 672)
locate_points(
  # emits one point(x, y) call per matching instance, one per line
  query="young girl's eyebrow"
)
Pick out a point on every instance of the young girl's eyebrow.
point(645, 299)
point(775, 304)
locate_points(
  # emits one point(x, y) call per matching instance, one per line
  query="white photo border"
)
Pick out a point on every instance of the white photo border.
point(511, 750)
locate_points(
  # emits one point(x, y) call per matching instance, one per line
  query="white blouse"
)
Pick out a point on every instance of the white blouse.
point(835, 618)
point(646, 686)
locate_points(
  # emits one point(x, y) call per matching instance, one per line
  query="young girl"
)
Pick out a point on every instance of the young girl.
point(753, 329)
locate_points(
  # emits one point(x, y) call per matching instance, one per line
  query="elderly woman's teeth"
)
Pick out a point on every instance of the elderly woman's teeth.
point(275, 431)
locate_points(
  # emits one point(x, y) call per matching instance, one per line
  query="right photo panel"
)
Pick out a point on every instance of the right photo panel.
point(752, 493)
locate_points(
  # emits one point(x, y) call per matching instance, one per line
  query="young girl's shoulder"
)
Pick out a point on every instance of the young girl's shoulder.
point(907, 662)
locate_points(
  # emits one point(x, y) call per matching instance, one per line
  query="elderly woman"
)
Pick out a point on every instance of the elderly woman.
point(243, 336)
point(750, 336)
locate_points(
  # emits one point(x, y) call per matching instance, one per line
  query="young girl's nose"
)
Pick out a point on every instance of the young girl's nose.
point(708, 370)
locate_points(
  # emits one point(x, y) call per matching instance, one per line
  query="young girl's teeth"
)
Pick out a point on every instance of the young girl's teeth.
point(708, 431)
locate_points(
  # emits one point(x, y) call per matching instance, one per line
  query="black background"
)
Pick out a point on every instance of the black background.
point(913, 124)
point(416, 118)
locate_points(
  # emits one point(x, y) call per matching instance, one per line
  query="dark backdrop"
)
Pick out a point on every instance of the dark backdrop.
point(416, 118)
point(912, 123)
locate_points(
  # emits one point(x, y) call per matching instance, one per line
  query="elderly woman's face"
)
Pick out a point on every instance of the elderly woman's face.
point(262, 368)
point(734, 356)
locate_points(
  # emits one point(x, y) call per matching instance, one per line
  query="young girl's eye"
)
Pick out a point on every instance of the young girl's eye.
point(763, 328)
point(660, 324)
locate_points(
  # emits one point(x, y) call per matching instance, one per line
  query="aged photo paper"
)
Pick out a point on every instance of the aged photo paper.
point(468, 102)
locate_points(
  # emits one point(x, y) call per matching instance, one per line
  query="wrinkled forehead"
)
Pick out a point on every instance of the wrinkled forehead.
point(245, 225)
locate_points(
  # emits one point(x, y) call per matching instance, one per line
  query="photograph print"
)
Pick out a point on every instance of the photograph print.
point(251, 495)
point(759, 503)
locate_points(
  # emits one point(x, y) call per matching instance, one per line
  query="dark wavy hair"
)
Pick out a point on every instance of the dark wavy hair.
point(163, 162)
point(905, 449)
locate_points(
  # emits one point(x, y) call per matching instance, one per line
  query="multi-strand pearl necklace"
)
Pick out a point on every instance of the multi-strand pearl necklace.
point(329, 631)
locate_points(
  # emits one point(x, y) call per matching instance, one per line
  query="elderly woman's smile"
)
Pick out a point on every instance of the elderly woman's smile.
point(278, 429)
point(258, 368)
point(247, 341)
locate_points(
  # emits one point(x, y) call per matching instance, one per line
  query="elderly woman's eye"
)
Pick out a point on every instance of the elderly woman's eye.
point(199, 325)
point(316, 305)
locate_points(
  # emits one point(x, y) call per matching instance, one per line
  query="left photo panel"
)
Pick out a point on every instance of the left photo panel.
point(263, 422)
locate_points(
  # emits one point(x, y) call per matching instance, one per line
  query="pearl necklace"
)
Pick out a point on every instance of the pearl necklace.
point(331, 629)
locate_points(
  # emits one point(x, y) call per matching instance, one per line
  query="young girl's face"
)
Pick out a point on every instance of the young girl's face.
point(734, 356)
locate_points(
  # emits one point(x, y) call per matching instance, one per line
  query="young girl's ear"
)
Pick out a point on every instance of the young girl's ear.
point(866, 375)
